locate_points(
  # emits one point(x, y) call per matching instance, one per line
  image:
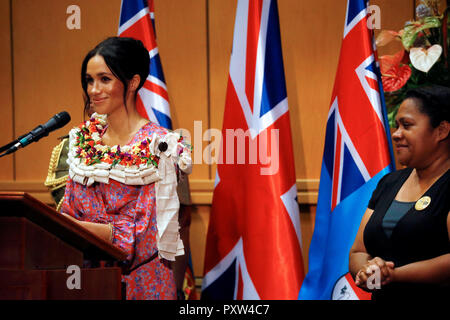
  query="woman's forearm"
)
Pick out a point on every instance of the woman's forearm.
point(436, 270)
point(103, 231)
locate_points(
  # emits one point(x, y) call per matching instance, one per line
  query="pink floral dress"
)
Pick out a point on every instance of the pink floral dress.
point(132, 212)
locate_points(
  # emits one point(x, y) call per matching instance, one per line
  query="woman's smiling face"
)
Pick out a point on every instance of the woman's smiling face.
point(105, 90)
point(415, 138)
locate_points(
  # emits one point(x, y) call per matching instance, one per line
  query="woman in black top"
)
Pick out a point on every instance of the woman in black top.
point(402, 249)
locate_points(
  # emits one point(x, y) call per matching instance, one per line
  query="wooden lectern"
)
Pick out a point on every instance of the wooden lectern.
point(43, 254)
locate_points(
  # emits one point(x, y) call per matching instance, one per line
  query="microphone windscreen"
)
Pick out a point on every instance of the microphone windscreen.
point(59, 120)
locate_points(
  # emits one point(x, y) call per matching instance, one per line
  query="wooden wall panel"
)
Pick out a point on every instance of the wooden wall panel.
point(182, 41)
point(6, 97)
point(221, 16)
point(47, 60)
point(198, 231)
point(311, 36)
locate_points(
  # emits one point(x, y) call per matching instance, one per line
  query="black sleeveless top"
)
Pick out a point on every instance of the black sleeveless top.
point(418, 235)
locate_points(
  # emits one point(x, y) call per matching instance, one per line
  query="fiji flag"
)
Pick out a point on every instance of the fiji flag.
point(357, 154)
point(136, 21)
point(253, 248)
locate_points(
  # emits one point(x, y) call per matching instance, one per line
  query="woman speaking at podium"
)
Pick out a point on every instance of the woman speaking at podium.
point(123, 170)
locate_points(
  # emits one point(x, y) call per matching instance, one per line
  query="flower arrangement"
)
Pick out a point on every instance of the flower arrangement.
point(424, 59)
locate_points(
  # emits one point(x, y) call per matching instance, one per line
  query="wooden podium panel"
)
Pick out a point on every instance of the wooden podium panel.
point(95, 284)
point(38, 244)
point(25, 245)
point(20, 204)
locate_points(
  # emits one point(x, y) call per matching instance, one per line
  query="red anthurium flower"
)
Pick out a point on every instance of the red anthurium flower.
point(388, 61)
point(394, 74)
point(396, 78)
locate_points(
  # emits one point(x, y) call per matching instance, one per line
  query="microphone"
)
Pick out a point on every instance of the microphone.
point(57, 121)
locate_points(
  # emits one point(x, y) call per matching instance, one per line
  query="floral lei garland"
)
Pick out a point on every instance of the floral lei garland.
point(148, 161)
point(91, 150)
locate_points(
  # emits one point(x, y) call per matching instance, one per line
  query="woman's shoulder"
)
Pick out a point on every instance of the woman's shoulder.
point(396, 175)
point(391, 178)
point(149, 129)
point(388, 181)
point(152, 127)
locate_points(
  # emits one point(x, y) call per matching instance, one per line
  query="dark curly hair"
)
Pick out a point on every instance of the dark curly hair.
point(434, 101)
point(125, 57)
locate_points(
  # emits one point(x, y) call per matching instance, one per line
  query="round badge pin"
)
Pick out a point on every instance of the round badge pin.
point(422, 203)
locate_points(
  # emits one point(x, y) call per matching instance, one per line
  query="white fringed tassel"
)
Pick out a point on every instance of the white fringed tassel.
point(167, 207)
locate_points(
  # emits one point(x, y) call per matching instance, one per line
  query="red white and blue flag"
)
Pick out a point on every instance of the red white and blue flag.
point(253, 248)
point(357, 154)
point(137, 21)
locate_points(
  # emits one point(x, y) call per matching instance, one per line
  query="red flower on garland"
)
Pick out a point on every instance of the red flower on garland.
point(91, 143)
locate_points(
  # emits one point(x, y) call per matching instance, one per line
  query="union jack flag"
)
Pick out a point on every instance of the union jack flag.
point(357, 154)
point(137, 21)
point(253, 248)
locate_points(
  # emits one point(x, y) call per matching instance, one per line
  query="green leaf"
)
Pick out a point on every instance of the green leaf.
point(115, 162)
point(411, 31)
point(391, 115)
